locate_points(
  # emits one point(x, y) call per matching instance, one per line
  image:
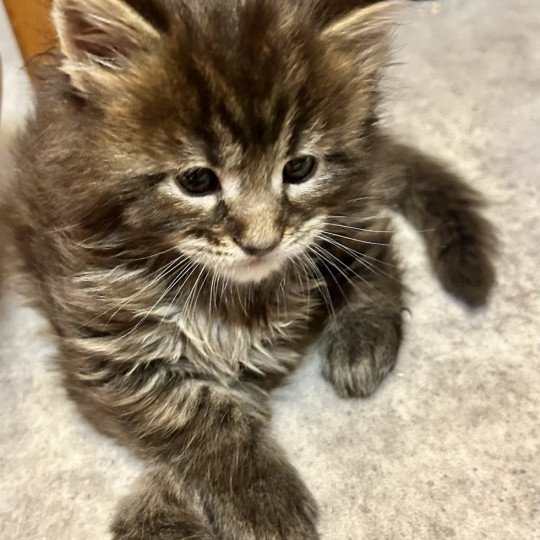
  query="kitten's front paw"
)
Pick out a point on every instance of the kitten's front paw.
point(359, 350)
point(272, 503)
point(156, 529)
point(162, 508)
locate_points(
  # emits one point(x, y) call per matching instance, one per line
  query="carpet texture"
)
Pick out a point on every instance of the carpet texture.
point(448, 447)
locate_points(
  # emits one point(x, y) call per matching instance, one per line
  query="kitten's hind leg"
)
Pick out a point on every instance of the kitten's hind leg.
point(361, 340)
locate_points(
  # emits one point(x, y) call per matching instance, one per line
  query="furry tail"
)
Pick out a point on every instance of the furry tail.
point(460, 241)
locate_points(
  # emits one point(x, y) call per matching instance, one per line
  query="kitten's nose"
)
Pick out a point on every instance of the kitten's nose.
point(255, 250)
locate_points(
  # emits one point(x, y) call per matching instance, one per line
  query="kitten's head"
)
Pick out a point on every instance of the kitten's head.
point(237, 128)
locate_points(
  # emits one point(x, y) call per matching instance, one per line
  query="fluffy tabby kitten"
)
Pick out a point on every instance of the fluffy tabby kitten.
point(199, 196)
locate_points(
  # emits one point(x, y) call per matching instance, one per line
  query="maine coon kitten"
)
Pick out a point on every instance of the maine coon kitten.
point(198, 195)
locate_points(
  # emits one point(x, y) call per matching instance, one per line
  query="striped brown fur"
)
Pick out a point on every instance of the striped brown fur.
point(166, 341)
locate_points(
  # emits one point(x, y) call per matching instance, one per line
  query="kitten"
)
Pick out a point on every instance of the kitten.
point(198, 197)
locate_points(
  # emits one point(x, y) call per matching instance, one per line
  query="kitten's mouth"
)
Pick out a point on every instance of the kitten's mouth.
point(255, 261)
point(255, 268)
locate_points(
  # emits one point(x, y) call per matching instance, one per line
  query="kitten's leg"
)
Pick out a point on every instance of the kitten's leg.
point(361, 342)
point(217, 472)
point(460, 241)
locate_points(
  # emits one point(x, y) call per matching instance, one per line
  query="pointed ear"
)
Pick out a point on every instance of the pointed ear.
point(364, 35)
point(100, 35)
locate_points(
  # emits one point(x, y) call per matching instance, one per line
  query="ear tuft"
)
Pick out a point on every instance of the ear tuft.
point(104, 33)
point(365, 34)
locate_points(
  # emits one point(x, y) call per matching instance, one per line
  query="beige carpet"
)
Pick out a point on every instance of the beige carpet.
point(448, 448)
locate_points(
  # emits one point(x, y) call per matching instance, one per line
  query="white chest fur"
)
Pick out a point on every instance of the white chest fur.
point(221, 345)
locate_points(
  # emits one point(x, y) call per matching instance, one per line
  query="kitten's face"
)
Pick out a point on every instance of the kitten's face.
point(239, 129)
point(247, 221)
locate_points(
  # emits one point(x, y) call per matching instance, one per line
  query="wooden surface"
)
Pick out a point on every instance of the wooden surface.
point(31, 24)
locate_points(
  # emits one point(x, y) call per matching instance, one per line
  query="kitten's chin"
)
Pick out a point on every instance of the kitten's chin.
point(254, 270)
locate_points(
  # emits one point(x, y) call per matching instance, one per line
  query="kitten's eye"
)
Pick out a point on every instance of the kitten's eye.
point(198, 182)
point(299, 169)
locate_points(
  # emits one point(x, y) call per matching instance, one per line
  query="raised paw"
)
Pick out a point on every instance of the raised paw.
point(465, 269)
point(359, 350)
